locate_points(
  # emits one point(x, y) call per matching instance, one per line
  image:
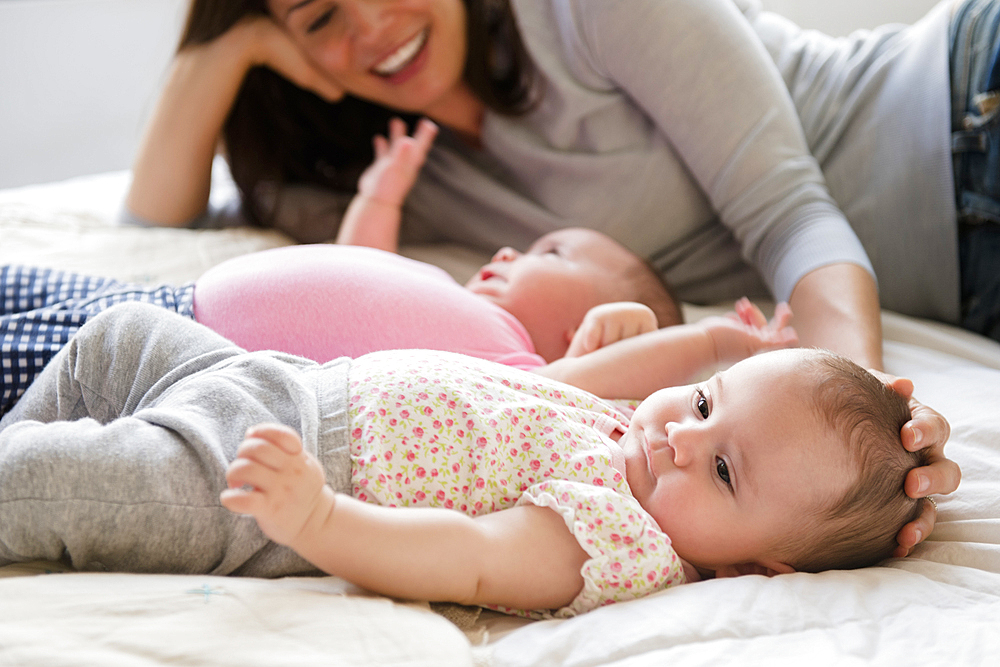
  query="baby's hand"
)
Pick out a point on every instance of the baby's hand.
point(398, 160)
point(277, 482)
point(747, 332)
point(609, 323)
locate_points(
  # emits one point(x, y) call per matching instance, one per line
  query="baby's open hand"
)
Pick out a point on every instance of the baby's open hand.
point(609, 323)
point(746, 331)
point(277, 482)
point(398, 160)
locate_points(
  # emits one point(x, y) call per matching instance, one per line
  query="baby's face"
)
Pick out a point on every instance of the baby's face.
point(731, 466)
point(551, 287)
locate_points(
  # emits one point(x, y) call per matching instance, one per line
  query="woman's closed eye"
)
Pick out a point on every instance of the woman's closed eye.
point(321, 21)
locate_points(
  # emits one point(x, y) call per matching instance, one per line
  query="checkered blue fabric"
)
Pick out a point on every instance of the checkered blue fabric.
point(41, 309)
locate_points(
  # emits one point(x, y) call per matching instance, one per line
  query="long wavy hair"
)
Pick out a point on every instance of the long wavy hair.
point(279, 134)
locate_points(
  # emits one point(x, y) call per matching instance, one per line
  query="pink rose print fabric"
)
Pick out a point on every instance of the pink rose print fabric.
point(436, 429)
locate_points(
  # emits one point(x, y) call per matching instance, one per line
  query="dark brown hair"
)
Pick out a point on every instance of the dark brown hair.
point(859, 529)
point(279, 134)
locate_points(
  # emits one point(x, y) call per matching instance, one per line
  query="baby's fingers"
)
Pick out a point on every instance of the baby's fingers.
point(586, 339)
point(397, 129)
point(243, 501)
point(782, 316)
point(262, 452)
point(750, 314)
point(279, 435)
point(381, 146)
point(424, 136)
point(245, 473)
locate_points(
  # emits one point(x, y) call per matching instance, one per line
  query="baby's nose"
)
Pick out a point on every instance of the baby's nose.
point(505, 254)
point(681, 442)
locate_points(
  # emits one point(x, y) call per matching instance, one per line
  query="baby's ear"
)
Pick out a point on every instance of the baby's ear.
point(768, 569)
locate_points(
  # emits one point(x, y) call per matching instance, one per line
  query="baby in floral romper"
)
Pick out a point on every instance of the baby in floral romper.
point(151, 444)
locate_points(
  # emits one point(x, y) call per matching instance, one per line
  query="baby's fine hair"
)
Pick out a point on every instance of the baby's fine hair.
point(859, 529)
point(646, 286)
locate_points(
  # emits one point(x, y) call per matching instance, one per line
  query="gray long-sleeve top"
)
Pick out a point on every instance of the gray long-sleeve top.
point(665, 124)
point(876, 110)
point(662, 123)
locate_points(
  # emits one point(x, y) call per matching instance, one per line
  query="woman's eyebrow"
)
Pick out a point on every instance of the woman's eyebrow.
point(298, 5)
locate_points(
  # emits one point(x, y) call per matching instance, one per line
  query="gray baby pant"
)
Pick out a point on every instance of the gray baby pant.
point(115, 456)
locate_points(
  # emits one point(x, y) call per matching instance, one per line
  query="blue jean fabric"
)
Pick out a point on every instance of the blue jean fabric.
point(975, 103)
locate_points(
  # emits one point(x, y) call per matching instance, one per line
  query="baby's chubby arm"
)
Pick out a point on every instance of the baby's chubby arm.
point(375, 213)
point(524, 557)
point(638, 366)
point(609, 323)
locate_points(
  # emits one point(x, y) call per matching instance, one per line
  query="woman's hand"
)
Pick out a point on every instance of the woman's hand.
point(929, 430)
point(172, 172)
point(609, 323)
point(269, 45)
point(277, 482)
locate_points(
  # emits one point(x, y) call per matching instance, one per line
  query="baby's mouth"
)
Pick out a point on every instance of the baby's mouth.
point(396, 61)
point(647, 449)
point(486, 273)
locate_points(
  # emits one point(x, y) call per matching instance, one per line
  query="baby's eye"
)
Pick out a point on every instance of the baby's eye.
point(722, 469)
point(702, 404)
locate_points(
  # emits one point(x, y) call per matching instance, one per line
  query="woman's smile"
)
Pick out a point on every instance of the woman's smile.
point(403, 61)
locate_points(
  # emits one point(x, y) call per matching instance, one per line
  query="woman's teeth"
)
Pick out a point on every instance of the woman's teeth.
point(402, 56)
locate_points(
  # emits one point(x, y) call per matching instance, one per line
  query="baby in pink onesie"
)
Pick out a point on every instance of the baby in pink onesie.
point(573, 291)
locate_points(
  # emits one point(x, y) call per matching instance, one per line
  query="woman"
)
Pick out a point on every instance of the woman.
point(547, 107)
point(904, 122)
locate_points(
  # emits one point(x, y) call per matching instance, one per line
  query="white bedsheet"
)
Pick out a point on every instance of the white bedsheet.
point(940, 606)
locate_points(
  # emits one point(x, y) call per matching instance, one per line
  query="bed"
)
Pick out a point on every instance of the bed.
point(939, 606)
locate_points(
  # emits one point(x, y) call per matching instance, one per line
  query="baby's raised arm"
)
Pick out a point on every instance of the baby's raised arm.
point(375, 213)
point(638, 366)
point(523, 557)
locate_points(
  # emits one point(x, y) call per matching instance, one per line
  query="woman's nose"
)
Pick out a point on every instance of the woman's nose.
point(505, 254)
point(364, 18)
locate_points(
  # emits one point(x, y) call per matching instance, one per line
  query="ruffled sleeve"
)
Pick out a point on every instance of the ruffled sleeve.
point(630, 557)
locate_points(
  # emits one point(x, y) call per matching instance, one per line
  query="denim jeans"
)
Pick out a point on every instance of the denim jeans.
point(975, 103)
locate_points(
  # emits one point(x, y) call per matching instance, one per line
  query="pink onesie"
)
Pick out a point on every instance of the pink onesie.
point(325, 301)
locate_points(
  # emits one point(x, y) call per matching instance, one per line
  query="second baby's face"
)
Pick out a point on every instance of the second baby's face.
point(551, 287)
point(731, 467)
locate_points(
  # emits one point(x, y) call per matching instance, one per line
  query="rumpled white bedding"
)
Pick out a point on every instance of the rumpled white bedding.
point(941, 606)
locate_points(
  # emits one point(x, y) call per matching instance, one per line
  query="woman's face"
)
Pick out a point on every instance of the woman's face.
point(404, 54)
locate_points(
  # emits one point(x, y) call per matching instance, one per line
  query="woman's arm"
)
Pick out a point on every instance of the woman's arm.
point(172, 171)
point(722, 104)
point(523, 557)
point(836, 307)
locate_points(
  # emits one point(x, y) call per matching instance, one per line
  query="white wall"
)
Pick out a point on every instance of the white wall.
point(78, 78)
point(839, 17)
